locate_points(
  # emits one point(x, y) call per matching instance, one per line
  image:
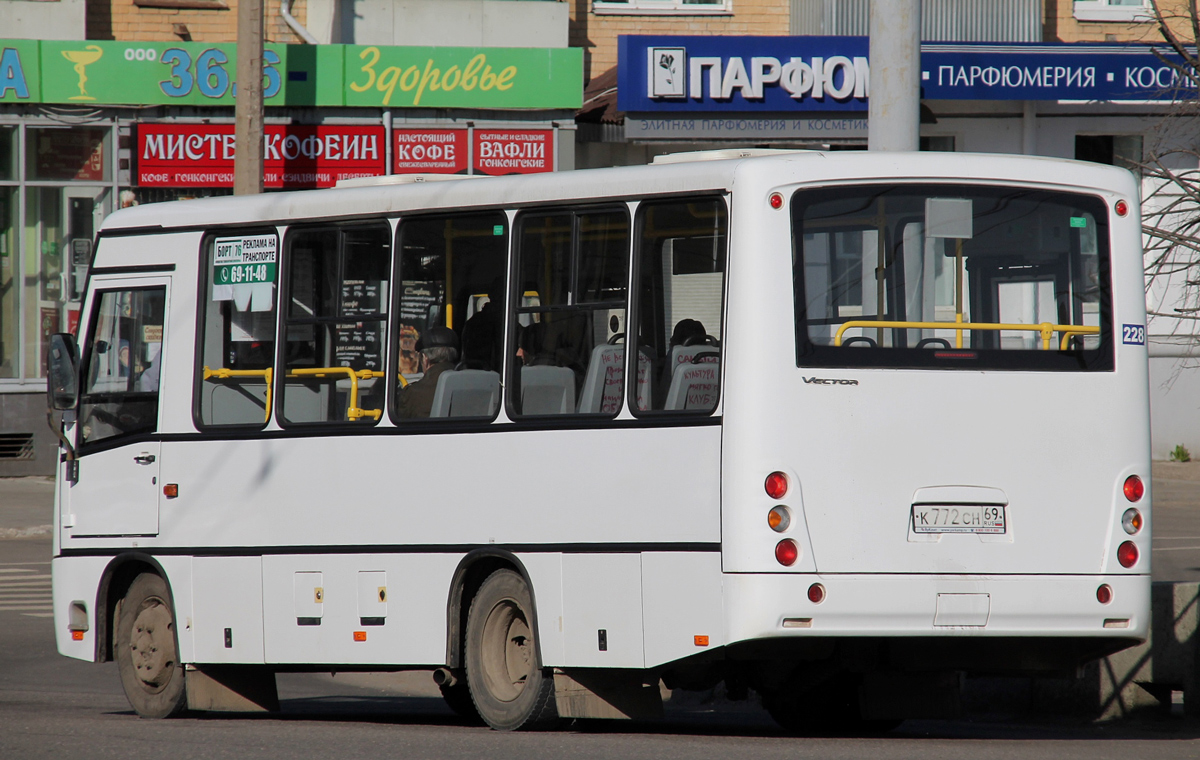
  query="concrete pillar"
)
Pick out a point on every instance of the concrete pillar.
point(894, 102)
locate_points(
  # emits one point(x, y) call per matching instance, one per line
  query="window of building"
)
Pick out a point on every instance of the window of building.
point(1115, 150)
point(572, 270)
point(337, 296)
point(1113, 10)
point(452, 281)
point(677, 7)
point(238, 328)
point(680, 288)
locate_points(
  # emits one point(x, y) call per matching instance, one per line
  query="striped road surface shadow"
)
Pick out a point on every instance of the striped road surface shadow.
point(25, 589)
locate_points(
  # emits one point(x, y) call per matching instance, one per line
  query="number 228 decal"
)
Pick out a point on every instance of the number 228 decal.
point(1134, 335)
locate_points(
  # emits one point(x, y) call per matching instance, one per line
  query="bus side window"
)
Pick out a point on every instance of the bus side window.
point(335, 322)
point(570, 348)
point(241, 273)
point(680, 287)
point(120, 394)
point(452, 275)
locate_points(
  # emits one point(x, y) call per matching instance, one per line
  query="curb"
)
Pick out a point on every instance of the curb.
point(37, 531)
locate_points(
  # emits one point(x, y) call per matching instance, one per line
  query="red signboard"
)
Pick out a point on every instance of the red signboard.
point(432, 151)
point(514, 151)
point(201, 155)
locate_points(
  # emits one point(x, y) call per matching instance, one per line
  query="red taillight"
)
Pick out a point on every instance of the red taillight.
point(787, 552)
point(1134, 488)
point(776, 485)
point(776, 201)
point(1122, 208)
point(1104, 594)
point(816, 593)
point(1127, 554)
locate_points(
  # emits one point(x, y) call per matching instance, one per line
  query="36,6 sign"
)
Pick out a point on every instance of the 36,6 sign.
point(244, 260)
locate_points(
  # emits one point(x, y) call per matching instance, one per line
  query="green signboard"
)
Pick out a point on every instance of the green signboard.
point(19, 77)
point(432, 77)
point(196, 74)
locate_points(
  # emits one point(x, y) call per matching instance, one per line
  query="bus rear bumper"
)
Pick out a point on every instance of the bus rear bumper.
point(769, 606)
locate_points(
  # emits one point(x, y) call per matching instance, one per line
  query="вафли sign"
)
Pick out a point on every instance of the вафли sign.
point(202, 155)
point(513, 151)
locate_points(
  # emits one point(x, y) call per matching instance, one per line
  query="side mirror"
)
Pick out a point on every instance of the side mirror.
point(62, 372)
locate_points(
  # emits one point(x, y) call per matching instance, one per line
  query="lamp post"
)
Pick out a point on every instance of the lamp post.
point(894, 103)
point(248, 108)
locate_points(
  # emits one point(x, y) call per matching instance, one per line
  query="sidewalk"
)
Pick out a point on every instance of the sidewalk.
point(26, 506)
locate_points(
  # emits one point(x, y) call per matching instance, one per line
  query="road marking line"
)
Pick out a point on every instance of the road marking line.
point(38, 614)
point(15, 570)
point(1176, 548)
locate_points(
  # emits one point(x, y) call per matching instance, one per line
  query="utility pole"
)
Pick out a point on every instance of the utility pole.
point(894, 102)
point(248, 108)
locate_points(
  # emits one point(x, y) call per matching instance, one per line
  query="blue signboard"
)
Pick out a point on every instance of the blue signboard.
point(781, 74)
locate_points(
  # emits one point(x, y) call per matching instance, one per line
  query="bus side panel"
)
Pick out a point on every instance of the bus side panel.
point(76, 579)
point(602, 610)
point(682, 608)
point(227, 609)
point(545, 575)
point(330, 609)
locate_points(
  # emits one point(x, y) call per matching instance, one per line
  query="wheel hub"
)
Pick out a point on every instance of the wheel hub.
point(507, 651)
point(152, 646)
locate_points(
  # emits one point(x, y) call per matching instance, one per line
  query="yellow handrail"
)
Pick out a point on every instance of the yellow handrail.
point(1046, 329)
point(353, 412)
point(224, 374)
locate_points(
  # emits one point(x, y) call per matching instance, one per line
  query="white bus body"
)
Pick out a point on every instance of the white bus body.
point(643, 540)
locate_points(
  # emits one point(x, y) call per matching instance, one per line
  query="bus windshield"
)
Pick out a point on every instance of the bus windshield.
point(940, 275)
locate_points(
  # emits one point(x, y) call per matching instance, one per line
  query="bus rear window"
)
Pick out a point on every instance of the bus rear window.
point(958, 276)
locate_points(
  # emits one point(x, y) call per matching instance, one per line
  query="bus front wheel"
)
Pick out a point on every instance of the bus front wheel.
point(510, 688)
point(147, 657)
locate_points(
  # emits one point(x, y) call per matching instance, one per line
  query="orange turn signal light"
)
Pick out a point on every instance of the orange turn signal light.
point(171, 490)
point(360, 635)
point(701, 641)
point(77, 635)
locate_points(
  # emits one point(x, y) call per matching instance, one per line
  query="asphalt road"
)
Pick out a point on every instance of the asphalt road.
point(51, 706)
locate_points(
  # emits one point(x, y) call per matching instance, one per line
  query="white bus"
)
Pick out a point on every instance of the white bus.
point(886, 423)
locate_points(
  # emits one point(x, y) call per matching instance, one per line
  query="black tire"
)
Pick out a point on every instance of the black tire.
point(510, 688)
point(458, 699)
point(147, 649)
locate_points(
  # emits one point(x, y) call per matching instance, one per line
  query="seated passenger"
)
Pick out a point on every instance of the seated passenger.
point(483, 334)
point(438, 349)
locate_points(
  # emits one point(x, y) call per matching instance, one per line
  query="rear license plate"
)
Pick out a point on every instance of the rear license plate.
point(957, 518)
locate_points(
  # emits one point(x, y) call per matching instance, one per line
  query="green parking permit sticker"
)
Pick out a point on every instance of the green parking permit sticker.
point(498, 229)
point(1079, 221)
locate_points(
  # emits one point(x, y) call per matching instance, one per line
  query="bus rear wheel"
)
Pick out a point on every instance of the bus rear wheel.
point(508, 685)
point(146, 652)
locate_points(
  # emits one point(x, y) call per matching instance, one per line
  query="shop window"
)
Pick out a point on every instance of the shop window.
point(337, 295)
point(1115, 150)
point(678, 7)
point(680, 287)
point(943, 143)
point(65, 153)
point(452, 276)
point(238, 328)
point(8, 153)
point(1113, 10)
point(121, 377)
point(10, 310)
point(572, 269)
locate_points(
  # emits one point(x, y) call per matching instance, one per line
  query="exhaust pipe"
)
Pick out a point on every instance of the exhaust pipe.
point(445, 677)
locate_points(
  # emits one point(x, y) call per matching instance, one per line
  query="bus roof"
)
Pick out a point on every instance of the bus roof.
point(657, 179)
